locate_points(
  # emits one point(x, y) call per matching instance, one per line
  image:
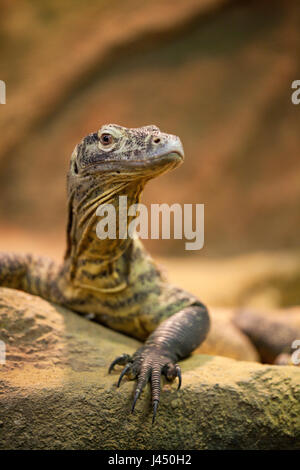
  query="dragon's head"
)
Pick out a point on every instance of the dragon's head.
point(143, 152)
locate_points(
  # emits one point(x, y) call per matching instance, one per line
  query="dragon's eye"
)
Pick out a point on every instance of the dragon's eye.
point(106, 139)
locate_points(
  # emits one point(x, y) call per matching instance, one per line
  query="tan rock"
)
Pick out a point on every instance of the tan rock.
point(56, 393)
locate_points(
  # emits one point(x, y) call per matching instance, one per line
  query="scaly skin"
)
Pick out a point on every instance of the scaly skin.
point(117, 280)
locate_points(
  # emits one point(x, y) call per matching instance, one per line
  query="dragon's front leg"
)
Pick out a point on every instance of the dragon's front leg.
point(175, 338)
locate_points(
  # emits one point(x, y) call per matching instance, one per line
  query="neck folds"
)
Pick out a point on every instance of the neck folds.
point(101, 264)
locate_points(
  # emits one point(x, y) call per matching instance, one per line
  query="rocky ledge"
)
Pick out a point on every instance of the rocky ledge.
point(56, 393)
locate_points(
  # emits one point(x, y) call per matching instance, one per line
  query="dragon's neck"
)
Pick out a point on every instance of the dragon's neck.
point(101, 264)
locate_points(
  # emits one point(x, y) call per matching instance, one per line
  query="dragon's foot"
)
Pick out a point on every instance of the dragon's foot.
point(147, 364)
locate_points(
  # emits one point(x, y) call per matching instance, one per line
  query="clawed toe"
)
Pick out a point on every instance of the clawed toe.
point(171, 371)
point(120, 360)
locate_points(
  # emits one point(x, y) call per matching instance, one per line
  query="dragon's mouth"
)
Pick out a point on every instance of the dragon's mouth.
point(172, 159)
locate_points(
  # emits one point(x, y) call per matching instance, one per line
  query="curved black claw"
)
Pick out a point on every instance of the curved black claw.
point(178, 373)
point(136, 396)
point(126, 368)
point(120, 360)
point(155, 406)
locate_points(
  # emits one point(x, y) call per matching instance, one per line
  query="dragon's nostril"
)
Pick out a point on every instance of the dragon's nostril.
point(156, 140)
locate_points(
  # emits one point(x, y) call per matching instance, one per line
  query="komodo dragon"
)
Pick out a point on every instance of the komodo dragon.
point(116, 279)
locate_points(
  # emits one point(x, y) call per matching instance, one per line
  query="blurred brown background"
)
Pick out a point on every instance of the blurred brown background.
point(217, 73)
